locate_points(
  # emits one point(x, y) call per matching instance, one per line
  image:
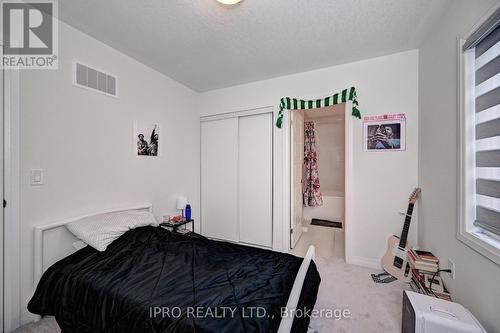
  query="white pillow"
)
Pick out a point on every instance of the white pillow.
point(101, 230)
point(78, 245)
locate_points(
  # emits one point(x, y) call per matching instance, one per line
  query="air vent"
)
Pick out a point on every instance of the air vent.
point(90, 78)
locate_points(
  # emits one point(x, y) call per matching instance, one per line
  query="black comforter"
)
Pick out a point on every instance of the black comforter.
point(152, 280)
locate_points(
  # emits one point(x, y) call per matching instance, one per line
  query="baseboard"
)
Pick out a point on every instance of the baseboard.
point(364, 262)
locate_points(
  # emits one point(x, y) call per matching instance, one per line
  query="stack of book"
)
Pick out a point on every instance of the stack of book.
point(423, 260)
point(423, 266)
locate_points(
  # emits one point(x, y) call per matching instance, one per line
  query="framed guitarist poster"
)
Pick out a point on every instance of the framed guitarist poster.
point(385, 132)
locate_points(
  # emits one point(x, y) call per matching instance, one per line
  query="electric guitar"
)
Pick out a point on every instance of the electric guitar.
point(395, 260)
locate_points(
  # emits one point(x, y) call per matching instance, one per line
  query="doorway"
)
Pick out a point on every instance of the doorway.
point(318, 158)
point(2, 175)
point(10, 313)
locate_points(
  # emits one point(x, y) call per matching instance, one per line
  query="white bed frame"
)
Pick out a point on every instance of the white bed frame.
point(293, 299)
point(54, 242)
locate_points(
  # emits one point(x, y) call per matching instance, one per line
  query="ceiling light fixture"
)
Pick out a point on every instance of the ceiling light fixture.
point(229, 2)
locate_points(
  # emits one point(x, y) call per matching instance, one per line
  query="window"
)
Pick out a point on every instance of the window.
point(480, 139)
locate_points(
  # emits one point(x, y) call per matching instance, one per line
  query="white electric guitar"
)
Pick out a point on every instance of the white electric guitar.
point(395, 260)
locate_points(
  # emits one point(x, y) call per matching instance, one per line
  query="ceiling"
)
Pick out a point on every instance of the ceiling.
point(206, 45)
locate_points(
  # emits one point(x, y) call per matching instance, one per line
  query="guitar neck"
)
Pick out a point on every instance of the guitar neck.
point(406, 228)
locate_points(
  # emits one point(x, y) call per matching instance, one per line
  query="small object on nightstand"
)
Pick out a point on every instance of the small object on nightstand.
point(175, 225)
point(176, 219)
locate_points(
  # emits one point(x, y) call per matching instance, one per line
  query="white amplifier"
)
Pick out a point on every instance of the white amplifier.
point(425, 314)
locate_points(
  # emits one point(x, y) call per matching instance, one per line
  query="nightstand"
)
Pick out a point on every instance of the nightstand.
point(175, 226)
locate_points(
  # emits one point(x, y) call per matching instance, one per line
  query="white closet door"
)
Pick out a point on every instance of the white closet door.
point(219, 179)
point(255, 179)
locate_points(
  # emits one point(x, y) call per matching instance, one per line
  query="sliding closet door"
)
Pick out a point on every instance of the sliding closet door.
point(255, 179)
point(219, 179)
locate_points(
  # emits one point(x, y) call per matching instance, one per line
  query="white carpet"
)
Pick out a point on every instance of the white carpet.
point(373, 307)
point(45, 325)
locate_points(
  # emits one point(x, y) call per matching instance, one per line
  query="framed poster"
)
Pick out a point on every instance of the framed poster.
point(146, 138)
point(385, 132)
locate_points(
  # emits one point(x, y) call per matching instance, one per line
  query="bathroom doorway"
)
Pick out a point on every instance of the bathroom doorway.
point(318, 180)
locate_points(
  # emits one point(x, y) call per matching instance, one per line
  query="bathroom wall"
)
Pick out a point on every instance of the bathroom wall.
point(330, 136)
point(331, 158)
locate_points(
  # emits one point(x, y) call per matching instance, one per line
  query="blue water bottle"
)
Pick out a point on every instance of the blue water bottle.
point(188, 212)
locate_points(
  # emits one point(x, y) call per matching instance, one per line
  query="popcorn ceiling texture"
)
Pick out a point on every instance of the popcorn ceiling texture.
point(206, 45)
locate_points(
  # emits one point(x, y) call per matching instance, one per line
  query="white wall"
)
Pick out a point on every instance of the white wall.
point(331, 157)
point(84, 142)
point(382, 181)
point(477, 278)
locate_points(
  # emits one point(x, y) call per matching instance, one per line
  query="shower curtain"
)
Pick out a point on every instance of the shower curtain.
point(312, 194)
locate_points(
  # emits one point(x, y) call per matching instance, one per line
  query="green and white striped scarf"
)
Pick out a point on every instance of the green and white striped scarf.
point(300, 104)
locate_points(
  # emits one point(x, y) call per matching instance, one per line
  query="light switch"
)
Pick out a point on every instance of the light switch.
point(36, 176)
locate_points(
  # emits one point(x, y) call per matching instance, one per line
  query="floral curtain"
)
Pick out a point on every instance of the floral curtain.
point(312, 194)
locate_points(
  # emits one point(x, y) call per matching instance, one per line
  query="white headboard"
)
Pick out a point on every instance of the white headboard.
point(53, 241)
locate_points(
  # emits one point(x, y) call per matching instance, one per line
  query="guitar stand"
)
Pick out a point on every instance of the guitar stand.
point(383, 277)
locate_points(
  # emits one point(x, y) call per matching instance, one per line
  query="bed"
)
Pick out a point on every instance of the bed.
point(153, 280)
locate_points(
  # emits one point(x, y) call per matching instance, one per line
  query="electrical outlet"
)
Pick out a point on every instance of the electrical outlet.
point(451, 265)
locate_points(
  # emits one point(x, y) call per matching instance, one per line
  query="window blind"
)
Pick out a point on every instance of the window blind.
point(487, 118)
